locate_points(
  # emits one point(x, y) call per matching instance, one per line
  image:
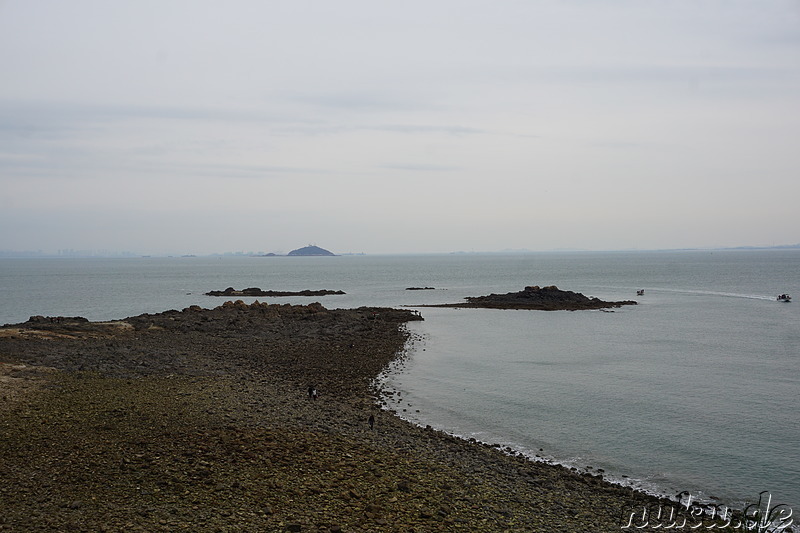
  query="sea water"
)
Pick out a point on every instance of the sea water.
point(696, 388)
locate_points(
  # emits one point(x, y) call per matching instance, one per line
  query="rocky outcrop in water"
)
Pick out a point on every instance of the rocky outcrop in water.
point(255, 291)
point(537, 298)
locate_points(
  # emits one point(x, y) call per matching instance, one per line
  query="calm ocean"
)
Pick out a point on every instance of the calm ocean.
point(697, 388)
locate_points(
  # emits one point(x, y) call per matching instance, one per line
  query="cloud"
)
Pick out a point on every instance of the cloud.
point(412, 129)
point(319, 116)
point(421, 167)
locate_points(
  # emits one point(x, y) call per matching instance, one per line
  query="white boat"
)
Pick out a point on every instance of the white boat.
point(784, 298)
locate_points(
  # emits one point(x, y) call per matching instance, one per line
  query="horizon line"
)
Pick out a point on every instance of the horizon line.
point(105, 253)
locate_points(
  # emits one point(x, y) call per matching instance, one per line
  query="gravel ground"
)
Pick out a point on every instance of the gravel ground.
point(200, 420)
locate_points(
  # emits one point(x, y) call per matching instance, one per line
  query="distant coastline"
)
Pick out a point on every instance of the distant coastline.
point(86, 254)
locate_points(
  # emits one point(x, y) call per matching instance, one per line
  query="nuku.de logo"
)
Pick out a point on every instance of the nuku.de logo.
point(760, 517)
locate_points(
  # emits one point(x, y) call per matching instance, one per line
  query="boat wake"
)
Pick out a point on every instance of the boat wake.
point(715, 293)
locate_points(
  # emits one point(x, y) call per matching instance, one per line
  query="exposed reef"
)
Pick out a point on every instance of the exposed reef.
point(536, 298)
point(255, 291)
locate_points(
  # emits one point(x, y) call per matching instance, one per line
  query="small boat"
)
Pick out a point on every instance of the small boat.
point(640, 292)
point(784, 298)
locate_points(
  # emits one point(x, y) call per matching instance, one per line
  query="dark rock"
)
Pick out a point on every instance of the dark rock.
point(39, 319)
point(255, 291)
point(537, 298)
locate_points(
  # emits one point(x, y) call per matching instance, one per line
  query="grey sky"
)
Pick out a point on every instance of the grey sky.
point(201, 126)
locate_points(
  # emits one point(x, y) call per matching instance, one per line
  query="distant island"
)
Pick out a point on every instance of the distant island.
point(255, 291)
point(536, 298)
point(310, 250)
point(4, 253)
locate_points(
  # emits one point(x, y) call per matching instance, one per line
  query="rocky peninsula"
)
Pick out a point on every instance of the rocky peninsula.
point(536, 298)
point(255, 291)
point(200, 420)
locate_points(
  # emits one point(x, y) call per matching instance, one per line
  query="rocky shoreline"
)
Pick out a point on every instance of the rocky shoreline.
point(199, 420)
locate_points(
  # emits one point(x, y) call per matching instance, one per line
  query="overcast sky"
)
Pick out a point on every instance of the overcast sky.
point(207, 126)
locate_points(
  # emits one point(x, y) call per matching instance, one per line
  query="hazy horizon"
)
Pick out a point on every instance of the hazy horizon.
point(200, 127)
point(90, 253)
